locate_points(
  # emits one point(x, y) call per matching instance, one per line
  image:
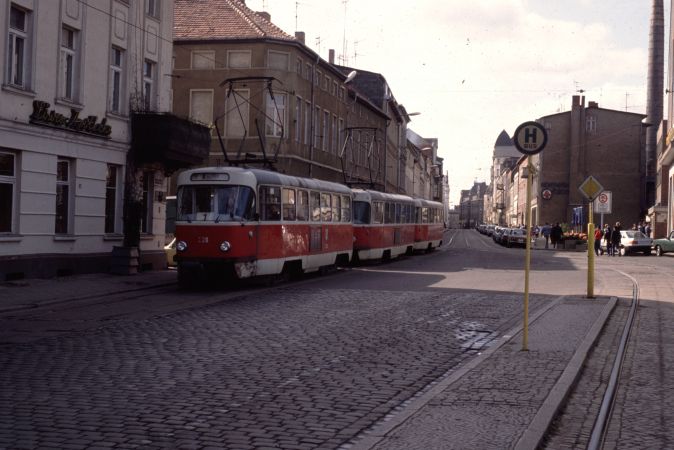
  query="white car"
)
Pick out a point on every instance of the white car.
point(634, 241)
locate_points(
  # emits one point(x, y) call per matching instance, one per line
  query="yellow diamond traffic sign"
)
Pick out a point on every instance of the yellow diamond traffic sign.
point(591, 188)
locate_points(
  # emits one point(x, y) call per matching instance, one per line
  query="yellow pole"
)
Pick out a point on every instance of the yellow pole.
point(527, 258)
point(590, 253)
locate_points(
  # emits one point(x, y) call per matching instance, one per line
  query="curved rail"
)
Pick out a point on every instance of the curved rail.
point(599, 429)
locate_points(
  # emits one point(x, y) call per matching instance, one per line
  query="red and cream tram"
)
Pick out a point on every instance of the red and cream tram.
point(250, 222)
point(429, 224)
point(383, 225)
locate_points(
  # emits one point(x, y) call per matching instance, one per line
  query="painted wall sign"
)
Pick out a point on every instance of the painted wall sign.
point(42, 115)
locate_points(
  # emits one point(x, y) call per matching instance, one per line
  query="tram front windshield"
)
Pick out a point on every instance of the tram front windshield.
point(215, 203)
point(361, 212)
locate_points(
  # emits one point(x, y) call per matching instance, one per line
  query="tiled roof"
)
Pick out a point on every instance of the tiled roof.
point(220, 20)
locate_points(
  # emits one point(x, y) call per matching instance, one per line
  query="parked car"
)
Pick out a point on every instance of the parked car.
point(664, 245)
point(515, 236)
point(497, 234)
point(634, 241)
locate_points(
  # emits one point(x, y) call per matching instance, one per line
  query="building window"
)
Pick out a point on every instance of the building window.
point(298, 119)
point(317, 79)
point(152, 8)
point(7, 187)
point(326, 83)
point(298, 66)
point(591, 124)
point(307, 72)
point(334, 88)
point(276, 115)
point(236, 113)
point(203, 59)
point(69, 63)
point(18, 49)
point(116, 80)
point(146, 209)
point(334, 134)
point(238, 59)
point(111, 190)
point(63, 193)
point(317, 127)
point(149, 81)
point(201, 106)
point(307, 123)
point(277, 60)
point(326, 130)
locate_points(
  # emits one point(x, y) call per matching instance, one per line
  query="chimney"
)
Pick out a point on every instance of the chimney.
point(299, 35)
point(331, 56)
point(654, 97)
point(592, 105)
point(266, 15)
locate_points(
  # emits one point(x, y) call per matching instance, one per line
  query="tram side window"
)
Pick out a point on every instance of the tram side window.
point(336, 208)
point(424, 215)
point(326, 208)
point(378, 215)
point(302, 205)
point(270, 203)
point(289, 204)
point(390, 213)
point(315, 206)
point(361, 212)
point(346, 208)
point(417, 213)
point(403, 213)
point(397, 220)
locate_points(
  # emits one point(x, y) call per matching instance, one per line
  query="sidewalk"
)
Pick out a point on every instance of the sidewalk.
point(35, 292)
point(506, 397)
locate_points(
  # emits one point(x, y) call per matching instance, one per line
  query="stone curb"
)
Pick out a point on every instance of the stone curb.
point(536, 430)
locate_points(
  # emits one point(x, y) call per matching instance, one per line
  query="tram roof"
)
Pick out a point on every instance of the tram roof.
point(262, 176)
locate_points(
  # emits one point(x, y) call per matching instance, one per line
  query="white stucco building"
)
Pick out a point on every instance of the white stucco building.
point(71, 73)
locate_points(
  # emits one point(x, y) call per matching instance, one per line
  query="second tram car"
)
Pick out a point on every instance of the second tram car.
point(249, 222)
point(383, 225)
point(429, 225)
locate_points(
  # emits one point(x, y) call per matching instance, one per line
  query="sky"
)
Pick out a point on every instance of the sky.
point(473, 68)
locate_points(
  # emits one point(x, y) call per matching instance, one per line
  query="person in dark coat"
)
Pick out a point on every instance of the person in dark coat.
point(608, 239)
point(615, 238)
point(556, 235)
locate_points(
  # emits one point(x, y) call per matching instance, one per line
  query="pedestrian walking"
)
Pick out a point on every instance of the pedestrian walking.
point(615, 238)
point(607, 240)
point(556, 235)
point(597, 240)
point(545, 230)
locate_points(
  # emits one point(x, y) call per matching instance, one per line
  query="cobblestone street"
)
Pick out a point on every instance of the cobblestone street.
point(291, 368)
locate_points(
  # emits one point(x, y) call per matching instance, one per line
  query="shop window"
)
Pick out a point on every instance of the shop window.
point(7, 190)
point(63, 194)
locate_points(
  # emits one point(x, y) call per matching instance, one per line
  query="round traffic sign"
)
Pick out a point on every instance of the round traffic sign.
point(603, 197)
point(530, 138)
point(547, 194)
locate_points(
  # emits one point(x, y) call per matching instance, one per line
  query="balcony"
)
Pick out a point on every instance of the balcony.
point(168, 140)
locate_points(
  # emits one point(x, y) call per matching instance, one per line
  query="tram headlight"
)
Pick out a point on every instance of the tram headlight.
point(225, 246)
point(181, 246)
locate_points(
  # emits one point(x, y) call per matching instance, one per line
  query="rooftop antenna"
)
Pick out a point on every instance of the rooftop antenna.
point(318, 45)
point(344, 2)
point(297, 5)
